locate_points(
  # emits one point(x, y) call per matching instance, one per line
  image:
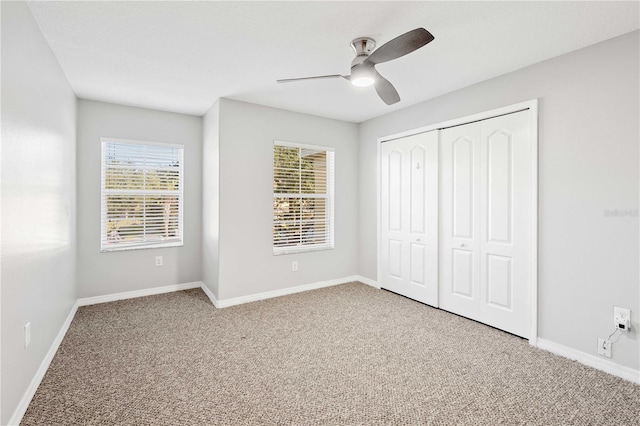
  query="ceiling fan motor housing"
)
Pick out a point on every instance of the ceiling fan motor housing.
point(363, 47)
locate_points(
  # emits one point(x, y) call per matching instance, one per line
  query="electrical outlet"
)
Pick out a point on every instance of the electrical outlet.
point(622, 318)
point(158, 260)
point(27, 335)
point(294, 266)
point(604, 347)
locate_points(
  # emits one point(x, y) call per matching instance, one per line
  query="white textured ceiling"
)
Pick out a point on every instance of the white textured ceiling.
point(183, 56)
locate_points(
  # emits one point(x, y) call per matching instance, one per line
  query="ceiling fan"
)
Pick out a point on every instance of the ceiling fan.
point(363, 70)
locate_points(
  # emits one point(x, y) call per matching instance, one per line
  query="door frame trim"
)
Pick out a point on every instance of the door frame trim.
point(531, 105)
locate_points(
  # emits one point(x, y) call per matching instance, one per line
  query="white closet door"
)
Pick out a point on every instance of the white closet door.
point(487, 221)
point(460, 220)
point(506, 206)
point(409, 217)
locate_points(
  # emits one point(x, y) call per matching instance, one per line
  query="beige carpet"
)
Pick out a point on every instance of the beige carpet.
point(345, 355)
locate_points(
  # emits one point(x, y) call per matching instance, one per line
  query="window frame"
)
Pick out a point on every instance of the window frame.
point(329, 200)
point(144, 245)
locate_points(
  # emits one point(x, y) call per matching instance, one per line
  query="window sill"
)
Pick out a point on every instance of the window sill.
point(141, 246)
point(300, 249)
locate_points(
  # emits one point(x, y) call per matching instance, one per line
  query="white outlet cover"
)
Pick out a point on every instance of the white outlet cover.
point(158, 260)
point(620, 313)
point(27, 334)
point(604, 347)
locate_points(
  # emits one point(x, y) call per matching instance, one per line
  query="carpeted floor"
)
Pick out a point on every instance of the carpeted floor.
point(348, 354)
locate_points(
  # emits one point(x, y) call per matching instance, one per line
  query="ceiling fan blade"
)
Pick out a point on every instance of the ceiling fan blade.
point(385, 89)
point(400, 46)
point(289, 80)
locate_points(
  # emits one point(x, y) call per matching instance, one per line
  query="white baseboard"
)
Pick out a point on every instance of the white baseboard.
point(590, 360)
point(225, 303)
point(367, 281)
point(16, 418)
point(137, 293)
point(210, 295)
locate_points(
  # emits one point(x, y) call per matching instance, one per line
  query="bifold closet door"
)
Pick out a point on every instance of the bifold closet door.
point(409, 217)
point(486, 221)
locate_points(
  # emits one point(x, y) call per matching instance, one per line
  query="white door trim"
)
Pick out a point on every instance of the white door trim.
point(531, 105)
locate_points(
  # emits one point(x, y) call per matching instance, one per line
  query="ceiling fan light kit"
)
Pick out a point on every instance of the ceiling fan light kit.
point(363, 71)
point(361, 77)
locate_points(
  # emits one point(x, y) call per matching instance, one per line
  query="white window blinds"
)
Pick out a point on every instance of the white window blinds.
point(141, 195)
point(303, 184)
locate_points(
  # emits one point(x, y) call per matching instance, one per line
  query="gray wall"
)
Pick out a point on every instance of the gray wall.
point(588, 163)
point(247, 263)
point(211, 197)
point(114, 272)
point(38, 200)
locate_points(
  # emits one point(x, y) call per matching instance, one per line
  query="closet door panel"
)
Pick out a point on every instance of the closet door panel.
point(499, 187)
point(459, 220)
point(506, 211)
point(409, 217)
point(486, 221)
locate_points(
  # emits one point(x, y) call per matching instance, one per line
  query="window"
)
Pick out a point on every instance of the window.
point(302, 197)
point(141, 195)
